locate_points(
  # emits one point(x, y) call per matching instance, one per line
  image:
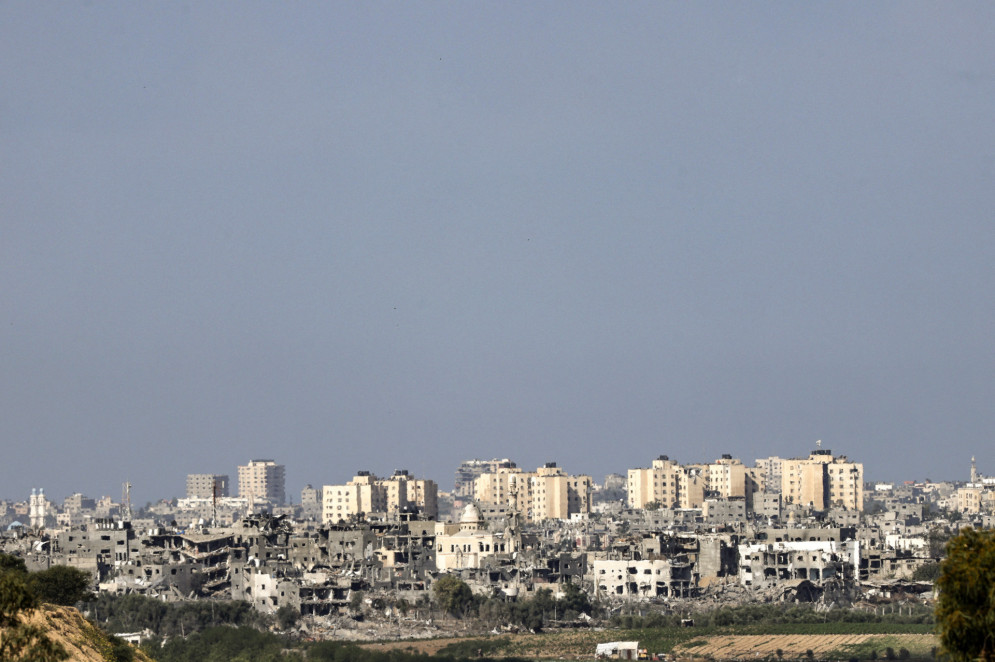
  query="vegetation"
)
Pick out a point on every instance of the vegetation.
point(223, 644)
point(132, 613)
point(453, 595)
point(927, 572)
point(287, 616)
point(797, 619)
point(21, 640)
point(662, 633)
point(965, 611)
point(880, 648)
point(61, 585)
point(10, 563)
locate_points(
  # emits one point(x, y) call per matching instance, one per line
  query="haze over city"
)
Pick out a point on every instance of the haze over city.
point(354, 236)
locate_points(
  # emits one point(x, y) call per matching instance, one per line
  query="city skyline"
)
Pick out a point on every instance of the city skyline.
point(445, 479)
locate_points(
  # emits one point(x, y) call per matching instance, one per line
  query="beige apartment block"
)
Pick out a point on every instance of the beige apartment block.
point(468, 472)
point(262, 480)
point(672, 485)
point(975, 498)
point(546, 493)
point(405, 493)
point(660, 484)
point(579, 494)
point(359, 496)
point(804, 482)
point(424, 495)
point(726, 477)
point(494, 488)
point(366, 494)
point(822, 481)
point(691, 486)
point(548, 497)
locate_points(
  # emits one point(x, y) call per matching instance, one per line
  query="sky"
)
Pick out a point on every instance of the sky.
point(382, 235)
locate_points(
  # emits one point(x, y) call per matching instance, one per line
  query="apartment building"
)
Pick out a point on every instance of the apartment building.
point(671, 485)
point(975, 498)
point(366, 494)
point(767, 474)
point(546, 493)
point(207, 486)
point(660, 483)
point(405, 493)
point(822, 481)
point(263, 480)
point(468, 472)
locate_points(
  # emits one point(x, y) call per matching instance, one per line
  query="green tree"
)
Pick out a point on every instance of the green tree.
point(965, 610)
point(575, 599)
point(287, 616)
point(11, 563)
point(452, 594)
point(61, 585)
point(927, 572)
point(21, 640)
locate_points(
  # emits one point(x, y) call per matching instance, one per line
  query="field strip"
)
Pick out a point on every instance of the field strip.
point(794, 646)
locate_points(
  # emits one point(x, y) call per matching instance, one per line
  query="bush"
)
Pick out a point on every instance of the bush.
point(287, 616)
point(965, 609)
point(453, 595)
point(61, 585)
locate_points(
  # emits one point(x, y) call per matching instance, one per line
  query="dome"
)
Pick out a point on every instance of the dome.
point(471, 514)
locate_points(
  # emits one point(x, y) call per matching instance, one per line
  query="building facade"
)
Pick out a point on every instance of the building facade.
point(263, 480)
point(207, 486)
point(822, 481)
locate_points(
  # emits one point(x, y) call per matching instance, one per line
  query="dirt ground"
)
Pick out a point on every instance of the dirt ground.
point(67, 626)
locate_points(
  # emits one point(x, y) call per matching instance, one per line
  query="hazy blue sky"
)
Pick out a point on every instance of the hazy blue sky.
point(375, 235)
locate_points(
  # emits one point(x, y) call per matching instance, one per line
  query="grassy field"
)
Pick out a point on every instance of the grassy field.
point(827, 641)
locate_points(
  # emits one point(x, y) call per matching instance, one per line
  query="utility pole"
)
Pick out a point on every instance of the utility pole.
point(214, 502)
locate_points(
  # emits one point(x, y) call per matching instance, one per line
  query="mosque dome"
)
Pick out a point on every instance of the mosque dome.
point(471, 515)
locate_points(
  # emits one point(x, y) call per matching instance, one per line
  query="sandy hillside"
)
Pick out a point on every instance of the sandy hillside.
point(83, 641)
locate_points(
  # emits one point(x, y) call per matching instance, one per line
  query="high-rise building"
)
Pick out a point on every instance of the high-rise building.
point(207, 486)
point(546, 493)
point(468, 472)
point(671, 485)
point(659, 484)
point(822, 481)
point(366, 494)
point(263, 480)
point(768, 473)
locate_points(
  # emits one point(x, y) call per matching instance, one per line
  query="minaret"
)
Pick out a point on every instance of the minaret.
point(974, 471)
point(36, 510)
